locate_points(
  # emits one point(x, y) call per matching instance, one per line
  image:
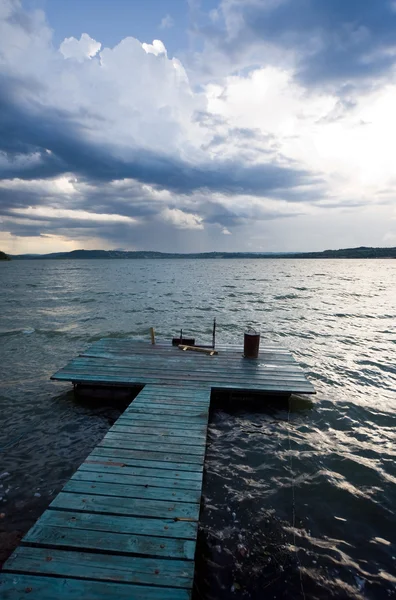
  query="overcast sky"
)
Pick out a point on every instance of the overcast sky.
point(188, 125)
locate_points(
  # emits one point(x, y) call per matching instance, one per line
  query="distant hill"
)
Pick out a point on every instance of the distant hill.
point(4, 256)
point(362, 252)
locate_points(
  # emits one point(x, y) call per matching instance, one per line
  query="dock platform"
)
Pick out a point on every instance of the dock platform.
point(126, 523)
point(116, 362)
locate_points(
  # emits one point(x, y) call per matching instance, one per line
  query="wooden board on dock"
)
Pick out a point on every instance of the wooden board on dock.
point(129, 363)
point(125, 525)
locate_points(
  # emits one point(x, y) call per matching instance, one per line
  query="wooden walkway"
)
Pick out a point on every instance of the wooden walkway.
point(125, 525)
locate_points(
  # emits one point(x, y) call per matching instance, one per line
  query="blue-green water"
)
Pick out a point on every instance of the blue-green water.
point(296, 503)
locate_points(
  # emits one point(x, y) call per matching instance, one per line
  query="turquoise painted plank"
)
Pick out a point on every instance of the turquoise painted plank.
point(32, 587)
point(114, 475)
point(172, 490)
point(176, 391)
point(159, 415)
point(173, 425)
point(190, 414)
point(199, 392)
point(140, 420)
point(154, 437)
point(83, 521)
point(124, 427)
point(187, 408)
point(144, 379)
point(103, 465)
point(215, 383)
point(145, 545)
point(171, 404)
point(130, 457)
point(85, 565)
point(196, 414)
point(187, 398)
point(132, 491)
point(137, 507)
point(161, 445)
point(113, 441)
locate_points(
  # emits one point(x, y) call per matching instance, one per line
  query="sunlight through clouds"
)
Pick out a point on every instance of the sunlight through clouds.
point(214, 139)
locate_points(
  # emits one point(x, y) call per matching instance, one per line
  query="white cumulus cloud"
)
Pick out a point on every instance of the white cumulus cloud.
point(182, 220)
point(81, 49)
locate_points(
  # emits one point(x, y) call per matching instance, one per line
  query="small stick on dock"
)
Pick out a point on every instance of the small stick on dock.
point(209, 351)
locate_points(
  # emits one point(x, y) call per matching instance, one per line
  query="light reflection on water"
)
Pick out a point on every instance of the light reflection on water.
point(327, 466)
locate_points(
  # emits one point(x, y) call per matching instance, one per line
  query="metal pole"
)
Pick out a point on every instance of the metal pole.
point(214, 333)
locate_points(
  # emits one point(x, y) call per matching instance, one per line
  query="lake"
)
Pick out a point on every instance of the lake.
point(298, 499)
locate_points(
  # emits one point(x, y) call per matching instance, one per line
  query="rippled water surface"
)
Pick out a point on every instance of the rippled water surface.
point(299, 499)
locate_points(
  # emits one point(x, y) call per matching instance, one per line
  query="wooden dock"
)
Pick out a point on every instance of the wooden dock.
point(126, 523)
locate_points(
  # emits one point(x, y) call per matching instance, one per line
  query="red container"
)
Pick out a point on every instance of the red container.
point(251, 344)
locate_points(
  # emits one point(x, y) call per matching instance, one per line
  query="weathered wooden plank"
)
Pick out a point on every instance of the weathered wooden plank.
point(138, 507)
point(154, 443)
point(151, 404)
point(126, 427)
point(214, 383)
point(154, 438)
point(171, 404)
point(85, 565)
point(119, 441)
point(150, 420)
point(194, 411)
point(199, 392)
point(103, 465)
point(157, 527)
point(197, 412)
point(187, 400)
point(132, 491)
point(188, 397)
point(14, 587)
point(132, 458)
point(161, 444)
point(145, 545)
point(118, 475)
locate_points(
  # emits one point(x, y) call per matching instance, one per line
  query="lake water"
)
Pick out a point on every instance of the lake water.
point(299, 501)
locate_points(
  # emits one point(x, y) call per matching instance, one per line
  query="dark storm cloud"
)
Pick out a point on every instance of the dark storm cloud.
point(58, 142)
point(333, 40)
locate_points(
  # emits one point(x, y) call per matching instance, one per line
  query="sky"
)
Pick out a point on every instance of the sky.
point(197, 125)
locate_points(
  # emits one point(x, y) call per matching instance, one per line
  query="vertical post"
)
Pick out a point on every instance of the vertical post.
point(214, 333)
point(152, 333)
